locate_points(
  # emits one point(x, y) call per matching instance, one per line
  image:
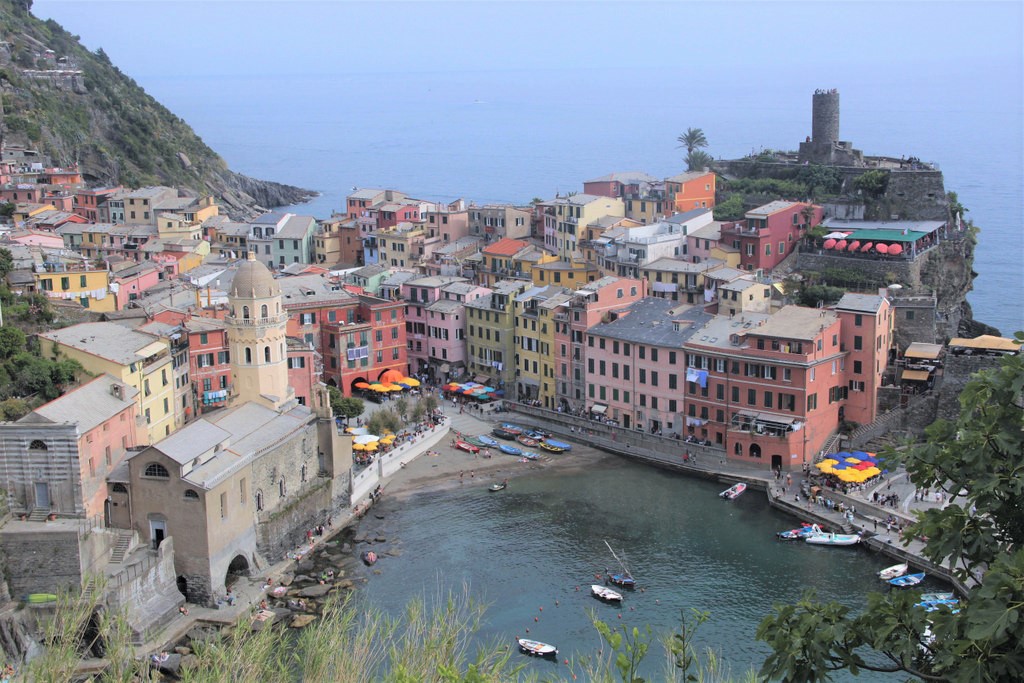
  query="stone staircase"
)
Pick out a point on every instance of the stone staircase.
point(38, 515)
point(121, 547)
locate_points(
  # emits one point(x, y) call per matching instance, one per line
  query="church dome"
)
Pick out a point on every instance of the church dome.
point(254, 280)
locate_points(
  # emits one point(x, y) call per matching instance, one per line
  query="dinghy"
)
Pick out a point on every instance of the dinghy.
point(605, 593)
point(819, 537)
point(907, 580)
point(893, 571)
point(733, 491)
point(537, 648)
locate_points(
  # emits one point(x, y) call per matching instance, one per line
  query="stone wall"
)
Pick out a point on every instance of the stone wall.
point(882, 272)
point(956, 373)
point(285, 529)
point(916, 320)
point(147, 592)
point(37, 562)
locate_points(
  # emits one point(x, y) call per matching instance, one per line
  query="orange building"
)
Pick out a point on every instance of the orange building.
point(690, 190)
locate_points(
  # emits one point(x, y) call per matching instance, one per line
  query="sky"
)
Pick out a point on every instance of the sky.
point(211, 37)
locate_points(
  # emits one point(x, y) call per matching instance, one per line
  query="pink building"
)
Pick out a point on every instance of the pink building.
point(436, 324)
point(304, 368)
point(770, 233)
point(585, 308)
point(133, 281)
point(867, 337)
point(636, 368)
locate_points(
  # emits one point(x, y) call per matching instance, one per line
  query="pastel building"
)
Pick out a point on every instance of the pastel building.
point(642, 194)
point(636, 367)
point(490, 334)
point(493, 222)
point(690, 190)
point(209, 364)
point(90, 287)
point(770, 233)
point(430, 332)
point(566, 218)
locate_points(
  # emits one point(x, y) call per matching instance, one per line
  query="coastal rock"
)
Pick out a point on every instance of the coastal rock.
point(286, 579)
point(182, 650)
point(393, 552)
point(305, 564)
point(302, 620)
point(316, 591)
point(359, 538)
point(380, 539)
point(170, 666)
point(302, 578)
point(347, 584)
point(346, 548)
point(189, 662)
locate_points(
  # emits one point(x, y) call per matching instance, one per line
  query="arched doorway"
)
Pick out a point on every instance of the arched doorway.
point(183, 586)
point(239, 567)
point(755, 450)
point(777, 462)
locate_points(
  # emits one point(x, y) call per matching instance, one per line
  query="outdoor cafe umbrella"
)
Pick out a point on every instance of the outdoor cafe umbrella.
point(895, 249)
point(882, 248)
point(362, 385)
point(412, 382)
point(377, 388)
point(358, 447)
point(829, 243)
point(867, 247)
point(366, 438)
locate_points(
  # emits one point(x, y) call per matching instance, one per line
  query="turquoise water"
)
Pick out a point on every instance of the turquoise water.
point(527, 547)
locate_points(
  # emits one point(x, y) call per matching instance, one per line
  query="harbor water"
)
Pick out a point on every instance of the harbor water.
point(531, 552)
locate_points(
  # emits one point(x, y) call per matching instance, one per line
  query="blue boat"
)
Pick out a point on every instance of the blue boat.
point(907, 580)
point(622, 580)
point(794, 534)
point(511, 450)
point(487, 441)
point(538, 434)
point(515, 429)
point(558, 444)
point(530, 455)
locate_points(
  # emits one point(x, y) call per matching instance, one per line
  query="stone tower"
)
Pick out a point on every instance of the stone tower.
point(825, 117)
point(256, 338)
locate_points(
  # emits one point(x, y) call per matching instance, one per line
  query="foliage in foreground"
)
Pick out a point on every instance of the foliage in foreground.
point(978, 462)
point(353, 643)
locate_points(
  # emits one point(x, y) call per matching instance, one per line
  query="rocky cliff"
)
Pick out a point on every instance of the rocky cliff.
point(77, 107)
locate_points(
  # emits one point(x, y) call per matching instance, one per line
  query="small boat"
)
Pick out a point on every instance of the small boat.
point(550, 447)
point(530, 455)
point(819, 537)
point(605, 593)
point(503, 433)
point(510, 450)
point(623, 578)
point(932, 605)
point(515, 429)
point(733, 491)
point(893, 571)
point(487, 441)
point(558, 444)
point(907, 580)
point(369, 557)
point(538, 434)
point(498, 487)
point(40, 598)
point(537, 648)
point(793, 534)
point(527, 441)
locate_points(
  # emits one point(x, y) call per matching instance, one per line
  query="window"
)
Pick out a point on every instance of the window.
point(223, 505)
point(266, 353)
point(241, 490)
point(910, 315)
point(156, 470)
point(259, 499)
point(858, 320)
point(858, 343)
point(191, 495)
point(857, 367)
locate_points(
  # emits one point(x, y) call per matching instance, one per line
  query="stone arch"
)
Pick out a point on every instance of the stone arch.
point(182, 582)
point(755, 450)
point(38, 445)
point(238, 567)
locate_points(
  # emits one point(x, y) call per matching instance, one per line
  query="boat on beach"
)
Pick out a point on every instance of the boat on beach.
point(937, 597)
point(503, 433)
point(907, 580)
point(733, 491)
point(515, 429)
point(605, 593)
point(551, 447)
point(498, 487)
point(537, 648)
point(487, 441)
point(561, 445)
point(893, 571)
point(510, 450)
point(527, 441)
point(819, 537)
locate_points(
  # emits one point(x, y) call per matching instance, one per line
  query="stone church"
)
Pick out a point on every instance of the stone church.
point(239, 487)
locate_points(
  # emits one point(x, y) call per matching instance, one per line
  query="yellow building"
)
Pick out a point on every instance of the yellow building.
point(564, 273)
point(22, 212)
point(533, 343)
point(89, 287)
point(547, 309)
point(567, 217)
point(138, 359)
point(491, 333)
point(509, 258)
point(402, 246)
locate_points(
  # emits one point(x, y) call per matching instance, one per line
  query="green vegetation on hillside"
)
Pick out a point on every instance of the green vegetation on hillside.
point(114, 130)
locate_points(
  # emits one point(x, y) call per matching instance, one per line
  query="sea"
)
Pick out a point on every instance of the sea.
point(531, 552)
point(512, 136)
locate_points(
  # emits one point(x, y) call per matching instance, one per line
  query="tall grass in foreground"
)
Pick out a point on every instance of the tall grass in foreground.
point(352, 643)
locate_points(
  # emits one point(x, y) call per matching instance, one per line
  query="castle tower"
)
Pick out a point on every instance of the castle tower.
point(256, 338)
point(825, 117)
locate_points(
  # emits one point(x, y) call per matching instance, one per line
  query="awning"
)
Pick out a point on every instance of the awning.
point(987, 342)
point(481, 379)
point(916, 375)
point(599, 408)
point(923, 350)
point(774, 418)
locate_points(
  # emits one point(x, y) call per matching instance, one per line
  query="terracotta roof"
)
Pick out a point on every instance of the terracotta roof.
point(506, 247)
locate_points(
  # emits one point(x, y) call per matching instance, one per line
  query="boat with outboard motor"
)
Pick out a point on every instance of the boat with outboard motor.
point(819, 537)
point(893, 571)
point(537, 648)
point(907, 580)
point(733, 491)
point(605, 593)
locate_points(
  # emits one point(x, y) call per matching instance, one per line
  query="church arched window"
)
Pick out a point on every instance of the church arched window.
point(248, 355)
point(245, 312)
point(266, 353)
point(263, 311)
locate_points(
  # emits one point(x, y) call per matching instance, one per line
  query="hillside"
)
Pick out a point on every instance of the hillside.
point(75, 106)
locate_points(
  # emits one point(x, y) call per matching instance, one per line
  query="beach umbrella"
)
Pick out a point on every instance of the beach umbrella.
point(854, 245)
point(390, 376)
point(863, 465)
point(867, 247)
point(377, 387)
point(836, 235)
point(365, 438)
point(840, 466)
point(860, 454)
point(841, 245)
point(358, 447)
point(412, 382)
point(392, 387)
point(829, 243)
point(872, 472)
point(882, 248)
point(362, 385)
point(895, 249)
point(852, 460)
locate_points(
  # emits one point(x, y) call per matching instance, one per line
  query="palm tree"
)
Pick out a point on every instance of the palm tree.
point(698, 160)
point(692, 139)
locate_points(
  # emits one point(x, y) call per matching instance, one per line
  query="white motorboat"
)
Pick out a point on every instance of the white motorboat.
point(605, 593)
point(893, 571)
point(819, 537)
point(733, 491)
